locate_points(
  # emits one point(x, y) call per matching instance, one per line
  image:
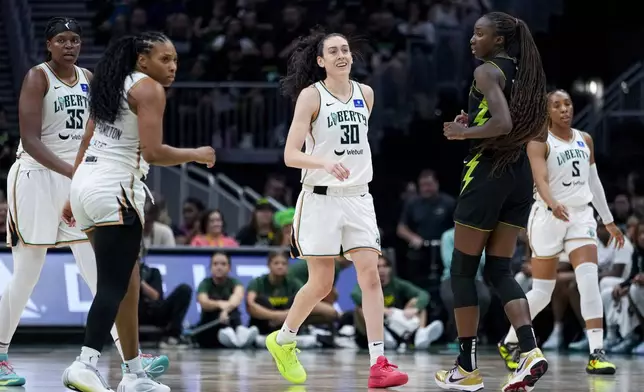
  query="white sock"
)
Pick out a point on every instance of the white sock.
point(511, 337)
point(557, 329)
point(595, 339)
point(286, 335)
point(89, 356)
point(376, 350)
point(134, 365)
point(27, 264)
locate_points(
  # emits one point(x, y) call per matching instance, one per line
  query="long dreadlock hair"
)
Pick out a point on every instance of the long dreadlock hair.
point(303, 69)
point(118, 61)
point(528, 101)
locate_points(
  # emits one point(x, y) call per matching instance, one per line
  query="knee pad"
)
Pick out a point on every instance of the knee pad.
point(587, 277)
point(463, 274)
point(540, 295)
point(497, 272)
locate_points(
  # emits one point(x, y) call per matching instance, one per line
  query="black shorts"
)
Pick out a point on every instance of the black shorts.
point(488, 199)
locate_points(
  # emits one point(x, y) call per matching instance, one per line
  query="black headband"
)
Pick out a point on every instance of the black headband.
point(62, 25)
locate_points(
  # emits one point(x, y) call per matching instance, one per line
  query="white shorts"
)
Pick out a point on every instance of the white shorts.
point(36, 198)
point(106, 195)
point(340, 222)
point(549, 236)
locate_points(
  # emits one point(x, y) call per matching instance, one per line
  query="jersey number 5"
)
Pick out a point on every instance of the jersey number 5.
point(75, 120)
point(575, 168)
point(351, 134)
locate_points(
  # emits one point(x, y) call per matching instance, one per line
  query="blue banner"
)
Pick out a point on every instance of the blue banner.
point(61, 297)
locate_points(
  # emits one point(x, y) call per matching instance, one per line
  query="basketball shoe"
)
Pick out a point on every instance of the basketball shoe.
point(532, 366)
point(83, 377)
point(384, 374)
point(509, 352)
point(140, 383)
point(285, 357)
point(598, 364)
point(8, 376)
point(457, 379)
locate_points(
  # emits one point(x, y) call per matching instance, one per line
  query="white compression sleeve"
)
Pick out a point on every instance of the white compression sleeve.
point(599, 197)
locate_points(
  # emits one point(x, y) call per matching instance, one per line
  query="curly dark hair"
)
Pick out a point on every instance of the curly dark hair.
point(118, 61)
point(528, 101)
point(303, 69)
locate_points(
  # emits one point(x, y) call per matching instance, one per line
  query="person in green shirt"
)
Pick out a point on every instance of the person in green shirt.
point(300, 271)
point(219, 296)
point(405, 314)
point(270, 296)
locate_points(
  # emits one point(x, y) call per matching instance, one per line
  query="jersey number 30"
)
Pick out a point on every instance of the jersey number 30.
point(575, 168)
point(75, 120)
point(351, 134)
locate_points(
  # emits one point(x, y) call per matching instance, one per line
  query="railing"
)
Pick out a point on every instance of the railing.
point(624, 97)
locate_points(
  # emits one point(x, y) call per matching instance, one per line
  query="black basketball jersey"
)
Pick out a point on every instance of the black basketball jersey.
point(478, 112)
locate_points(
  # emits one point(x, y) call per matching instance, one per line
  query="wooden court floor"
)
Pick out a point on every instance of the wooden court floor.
point(329, 370)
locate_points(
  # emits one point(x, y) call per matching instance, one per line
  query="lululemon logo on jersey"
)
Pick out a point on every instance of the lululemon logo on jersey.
point(110, 131)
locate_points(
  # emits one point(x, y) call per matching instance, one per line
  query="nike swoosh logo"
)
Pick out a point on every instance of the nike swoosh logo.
point(329, 104)
point(452, 379)
point(363, 195)
point(377, 344)
point(57, 87)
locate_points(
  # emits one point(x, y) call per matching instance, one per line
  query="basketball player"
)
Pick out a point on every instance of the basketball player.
point(507, 109)
point(107, 194)
point(334, 212)
point(52, 112)
point(561, 221)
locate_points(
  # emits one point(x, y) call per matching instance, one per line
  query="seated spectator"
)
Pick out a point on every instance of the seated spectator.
point(156, 233)
point(167, 313)
point(219, 296)
point(213, 226)
point(269, 297)
point(300, 271)
point(260, 231)
point(405, 314)
point(191, 213)
point(284, 223)
point(624, 306)
point(447, 248)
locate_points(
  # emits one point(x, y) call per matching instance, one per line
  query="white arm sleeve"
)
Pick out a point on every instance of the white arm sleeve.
point(599, 198)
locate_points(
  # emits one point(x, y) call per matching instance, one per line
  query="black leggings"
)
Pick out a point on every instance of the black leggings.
point(117, 251)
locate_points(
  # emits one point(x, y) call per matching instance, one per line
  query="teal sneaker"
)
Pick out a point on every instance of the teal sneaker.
point(8, 377)
point(154, 366)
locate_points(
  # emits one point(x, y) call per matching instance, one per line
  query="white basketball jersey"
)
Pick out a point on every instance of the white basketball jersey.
point(64, 115)
point(339, 134)
point(568, 169)
point(119, 142)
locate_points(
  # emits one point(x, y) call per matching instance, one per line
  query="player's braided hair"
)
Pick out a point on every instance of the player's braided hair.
point(303, 69)
point(528, 102)
point(550, 93)
point(118, 61)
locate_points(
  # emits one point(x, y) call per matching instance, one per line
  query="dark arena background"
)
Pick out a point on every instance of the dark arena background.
point(416, 56)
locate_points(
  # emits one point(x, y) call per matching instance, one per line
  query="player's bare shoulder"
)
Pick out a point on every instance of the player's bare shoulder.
point(368, 94)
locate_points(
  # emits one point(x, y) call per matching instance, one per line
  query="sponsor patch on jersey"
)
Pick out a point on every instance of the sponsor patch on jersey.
point(358, 103)
point(84, 87)
point(580, 143)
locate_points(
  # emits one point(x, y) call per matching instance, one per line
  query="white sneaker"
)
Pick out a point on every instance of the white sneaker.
point(227, 338)
point(133, 383)
point(84, 377)
point(427, 335)
point(246, 336)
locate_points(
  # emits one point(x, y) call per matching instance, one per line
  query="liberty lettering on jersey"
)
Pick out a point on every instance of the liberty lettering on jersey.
point(109, 131)
point(70, 101)
point(343, 116)
point(575, 153)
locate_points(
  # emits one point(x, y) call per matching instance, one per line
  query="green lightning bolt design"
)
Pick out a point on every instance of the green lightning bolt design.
point(480, 118)
point(471, 165)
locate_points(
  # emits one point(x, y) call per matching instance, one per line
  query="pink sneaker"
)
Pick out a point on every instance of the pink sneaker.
point(384, 375)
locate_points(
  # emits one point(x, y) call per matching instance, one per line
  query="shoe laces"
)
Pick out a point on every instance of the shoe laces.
point(291, 353)
point(387, 366)
point(146, 356)
point(6, 368)
point(599, 355)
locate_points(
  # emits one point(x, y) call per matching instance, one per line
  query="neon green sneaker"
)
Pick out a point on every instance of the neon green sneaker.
point(285, 357)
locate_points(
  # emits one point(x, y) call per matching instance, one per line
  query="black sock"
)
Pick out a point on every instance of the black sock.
point(527, 341)
point(467, 355)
